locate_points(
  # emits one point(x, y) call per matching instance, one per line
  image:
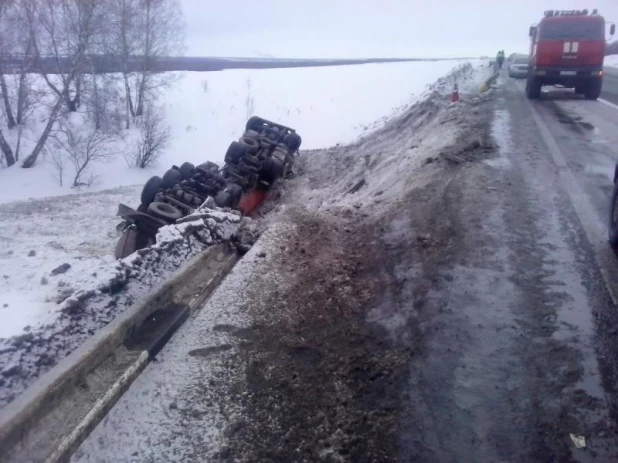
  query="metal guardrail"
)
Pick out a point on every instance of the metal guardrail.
point(49, 421)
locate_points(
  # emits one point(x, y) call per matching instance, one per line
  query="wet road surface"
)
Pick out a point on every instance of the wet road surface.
point(610, 85)
point(486, 330)
point(520, 345)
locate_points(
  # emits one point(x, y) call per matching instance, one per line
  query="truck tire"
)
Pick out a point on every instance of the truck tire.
point(580, 89)
point(186, 169)
point(209, 166)
point(164, 211)
point(252, 144)
point(292, 141)
point(255, 123)
point(533, 88)
point(223, 199)
point(252, 161)
point(593, 89)
point(235, 152)
point(150, 189)
point(613, 218)
point(271, 170)
point(252, 134)
point(171, 178)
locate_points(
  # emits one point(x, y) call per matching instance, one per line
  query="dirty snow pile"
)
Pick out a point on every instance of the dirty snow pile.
point(87, 305)
point(381, 168)
point(611, 61)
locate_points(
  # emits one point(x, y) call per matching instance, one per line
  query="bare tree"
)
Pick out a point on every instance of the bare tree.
point(61, 29)
point(6, 49)
point(154, 140)
point(142, 32)
point(6, 150)
point(249, 102)
point(17, 46)
point(82, 149)
point(58, 159)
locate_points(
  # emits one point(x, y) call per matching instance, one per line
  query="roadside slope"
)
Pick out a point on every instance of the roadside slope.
point(288, 360)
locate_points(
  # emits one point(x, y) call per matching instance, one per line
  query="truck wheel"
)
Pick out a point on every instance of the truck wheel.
point(171, 178)
point(186, 169)
point(236, 192)
point(209, 166)
point(593, 89)
point(292, 141)
point(223, 199)
point(164, 211)
point(533, 89)
point(252, 161)
point(580, 89)
point(252, 134)
point(271, 170)
point(613, 218)
point(255, 123)
point(150, 189)
point(235, 152)
point(252, 144)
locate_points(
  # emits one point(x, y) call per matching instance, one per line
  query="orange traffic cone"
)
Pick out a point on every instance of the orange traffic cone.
point(455, 96)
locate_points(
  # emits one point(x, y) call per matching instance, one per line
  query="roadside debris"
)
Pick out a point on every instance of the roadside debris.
point(61, 269)
point(578, 441)
point(357, 186)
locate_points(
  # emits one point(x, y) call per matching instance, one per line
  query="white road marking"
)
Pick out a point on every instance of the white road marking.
point(594, 228)
point(608, 103)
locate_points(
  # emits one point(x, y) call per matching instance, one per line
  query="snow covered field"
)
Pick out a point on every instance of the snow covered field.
point(206, 111)
point(327, 106)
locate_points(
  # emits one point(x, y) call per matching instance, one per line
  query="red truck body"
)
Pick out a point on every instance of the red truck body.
point(567, 48)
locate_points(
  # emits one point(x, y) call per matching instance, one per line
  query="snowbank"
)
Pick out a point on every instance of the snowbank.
point(87, 301)
point(611, 61)
point(207, 110)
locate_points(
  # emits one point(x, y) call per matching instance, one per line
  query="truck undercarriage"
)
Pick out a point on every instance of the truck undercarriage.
point(263, 154)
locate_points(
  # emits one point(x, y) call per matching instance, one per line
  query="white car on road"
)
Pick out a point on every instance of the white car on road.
point(518, 67)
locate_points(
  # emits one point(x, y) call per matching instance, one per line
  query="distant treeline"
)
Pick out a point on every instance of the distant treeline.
point(108, 63)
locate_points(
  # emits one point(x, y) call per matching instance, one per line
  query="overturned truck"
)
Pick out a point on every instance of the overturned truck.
point(264, 154)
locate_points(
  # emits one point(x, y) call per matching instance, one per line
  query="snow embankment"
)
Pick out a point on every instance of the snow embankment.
point(611, 61)
point(281, 338)
point(383, 167)
point(48, 315)
point(89, 300)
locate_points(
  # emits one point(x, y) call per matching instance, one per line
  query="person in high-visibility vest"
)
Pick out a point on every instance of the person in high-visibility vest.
point(500, 58)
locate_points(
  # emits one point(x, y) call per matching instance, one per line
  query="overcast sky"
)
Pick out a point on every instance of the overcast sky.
point(367, 28)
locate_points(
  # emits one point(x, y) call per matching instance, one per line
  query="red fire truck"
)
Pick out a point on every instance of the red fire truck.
point(567, 49)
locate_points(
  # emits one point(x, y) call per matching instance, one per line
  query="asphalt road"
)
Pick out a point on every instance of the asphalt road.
point(519, 353)
point(491, 335)
point(610, 85)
